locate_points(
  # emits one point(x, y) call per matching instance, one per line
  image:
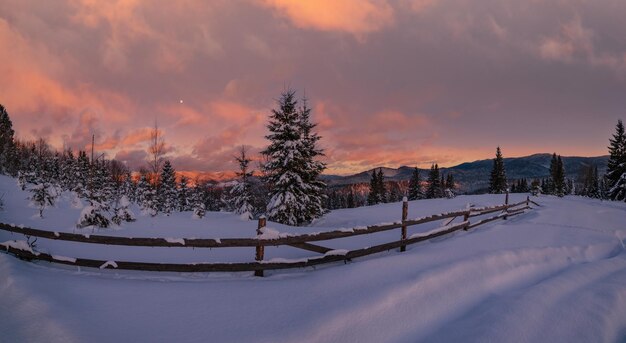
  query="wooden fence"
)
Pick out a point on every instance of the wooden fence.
point(298, 241)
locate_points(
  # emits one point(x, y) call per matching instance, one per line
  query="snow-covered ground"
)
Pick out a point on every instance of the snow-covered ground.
point(555, 274)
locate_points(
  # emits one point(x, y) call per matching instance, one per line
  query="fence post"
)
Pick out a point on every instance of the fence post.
point(527, 200)
point(466, 216)
point(506, 202)
point(405, 213)
point(260, 248)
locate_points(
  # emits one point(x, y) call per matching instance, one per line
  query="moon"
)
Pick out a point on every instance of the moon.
point(181, 101)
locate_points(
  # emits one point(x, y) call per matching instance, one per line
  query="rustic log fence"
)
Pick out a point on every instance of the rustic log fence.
point(260, 242)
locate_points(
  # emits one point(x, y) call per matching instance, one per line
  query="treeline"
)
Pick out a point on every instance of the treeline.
point(611, 186)
point(289, 190)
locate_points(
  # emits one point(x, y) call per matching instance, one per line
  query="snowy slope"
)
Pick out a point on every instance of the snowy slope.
point(557, 274)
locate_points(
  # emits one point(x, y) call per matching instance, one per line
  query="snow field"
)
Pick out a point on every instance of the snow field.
point(555, 274)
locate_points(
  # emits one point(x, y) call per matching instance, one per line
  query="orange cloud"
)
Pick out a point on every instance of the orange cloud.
point(357, 17)
point(138, 136)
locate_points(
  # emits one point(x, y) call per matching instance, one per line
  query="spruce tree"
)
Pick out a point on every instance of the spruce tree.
point(616, 167)
point(81, 174)
point(434, 187)
point(291, 168)
point(382, 190)
point(100, 193)
point(497, 179)
point(373, 197)
point(415, 187)
point(146, 195)
point(198, 201)
point(184, 195)
point(8, 151)
point(557, 176)
point(313, 167)
point(241, 193)
point(167, 193)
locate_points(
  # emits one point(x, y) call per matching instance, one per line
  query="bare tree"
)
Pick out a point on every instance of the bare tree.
point(156, 151)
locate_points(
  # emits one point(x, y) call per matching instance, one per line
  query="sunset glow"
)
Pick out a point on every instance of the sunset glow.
point(391, 83)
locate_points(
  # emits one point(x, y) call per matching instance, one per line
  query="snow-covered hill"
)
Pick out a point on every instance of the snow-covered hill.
point(555, 274)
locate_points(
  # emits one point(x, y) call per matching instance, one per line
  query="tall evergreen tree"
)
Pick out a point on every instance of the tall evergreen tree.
point(415, 187)
point(616, 167)
point(167, 193)
point(497, 179)
point(146, 195)
point(373, 197)
point(382, 190)
point(241, 193)
point(8, 151)
point(198, 196)
point(557, 176)
point(184, 194)
point(291, 168)
point(434, 183)
point(313, 167)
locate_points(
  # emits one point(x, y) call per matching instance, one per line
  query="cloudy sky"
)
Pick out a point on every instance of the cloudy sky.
point(391, 82)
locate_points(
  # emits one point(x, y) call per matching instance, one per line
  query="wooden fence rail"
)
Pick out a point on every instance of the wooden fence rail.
point(297, 241)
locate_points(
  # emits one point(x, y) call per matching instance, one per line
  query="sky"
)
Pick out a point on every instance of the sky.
point(391, 83)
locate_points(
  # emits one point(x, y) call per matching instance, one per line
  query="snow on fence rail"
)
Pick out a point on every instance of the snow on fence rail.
point(263, 239)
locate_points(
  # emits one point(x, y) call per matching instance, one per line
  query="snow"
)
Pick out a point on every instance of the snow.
point(180, 241)
point(64, 258)
point(19, 245)
point(337, 252)
point(108, 264)
point(554, 274)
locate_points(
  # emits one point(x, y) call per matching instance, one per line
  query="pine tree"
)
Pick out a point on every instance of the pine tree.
point(616, 167)
point(415, 187)
point(497, 179)
point(557, 176)
point(121, 211)
point(198, 201)
point(434, 187)
point(184, 195)
point(167, 193)
point(128, 187)
point(380, 184)
point(241, 193)
point(99, 195)
point(296, 193)
point(43, 195)
point(313, 167)
point(68, 179)
point(8, 151)
point(81, 174)
point(373, 197)
point(146, 195)
point(449, 187)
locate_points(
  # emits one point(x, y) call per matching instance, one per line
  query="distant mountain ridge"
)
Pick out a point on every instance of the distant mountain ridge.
point(474, 176)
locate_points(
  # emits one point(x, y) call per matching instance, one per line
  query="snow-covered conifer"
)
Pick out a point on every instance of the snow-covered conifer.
point(184, 195)
point(497, 179)
point(198, 201)
point(616, 167)
point(121, 211)
point(146, 196)
point(415, 186)
point(241, 192)
point(291, 170)
point(8, 151)
point(434, 187)
point(167, 194)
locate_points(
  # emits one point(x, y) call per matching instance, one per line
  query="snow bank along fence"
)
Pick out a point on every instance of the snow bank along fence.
point(264, 238)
